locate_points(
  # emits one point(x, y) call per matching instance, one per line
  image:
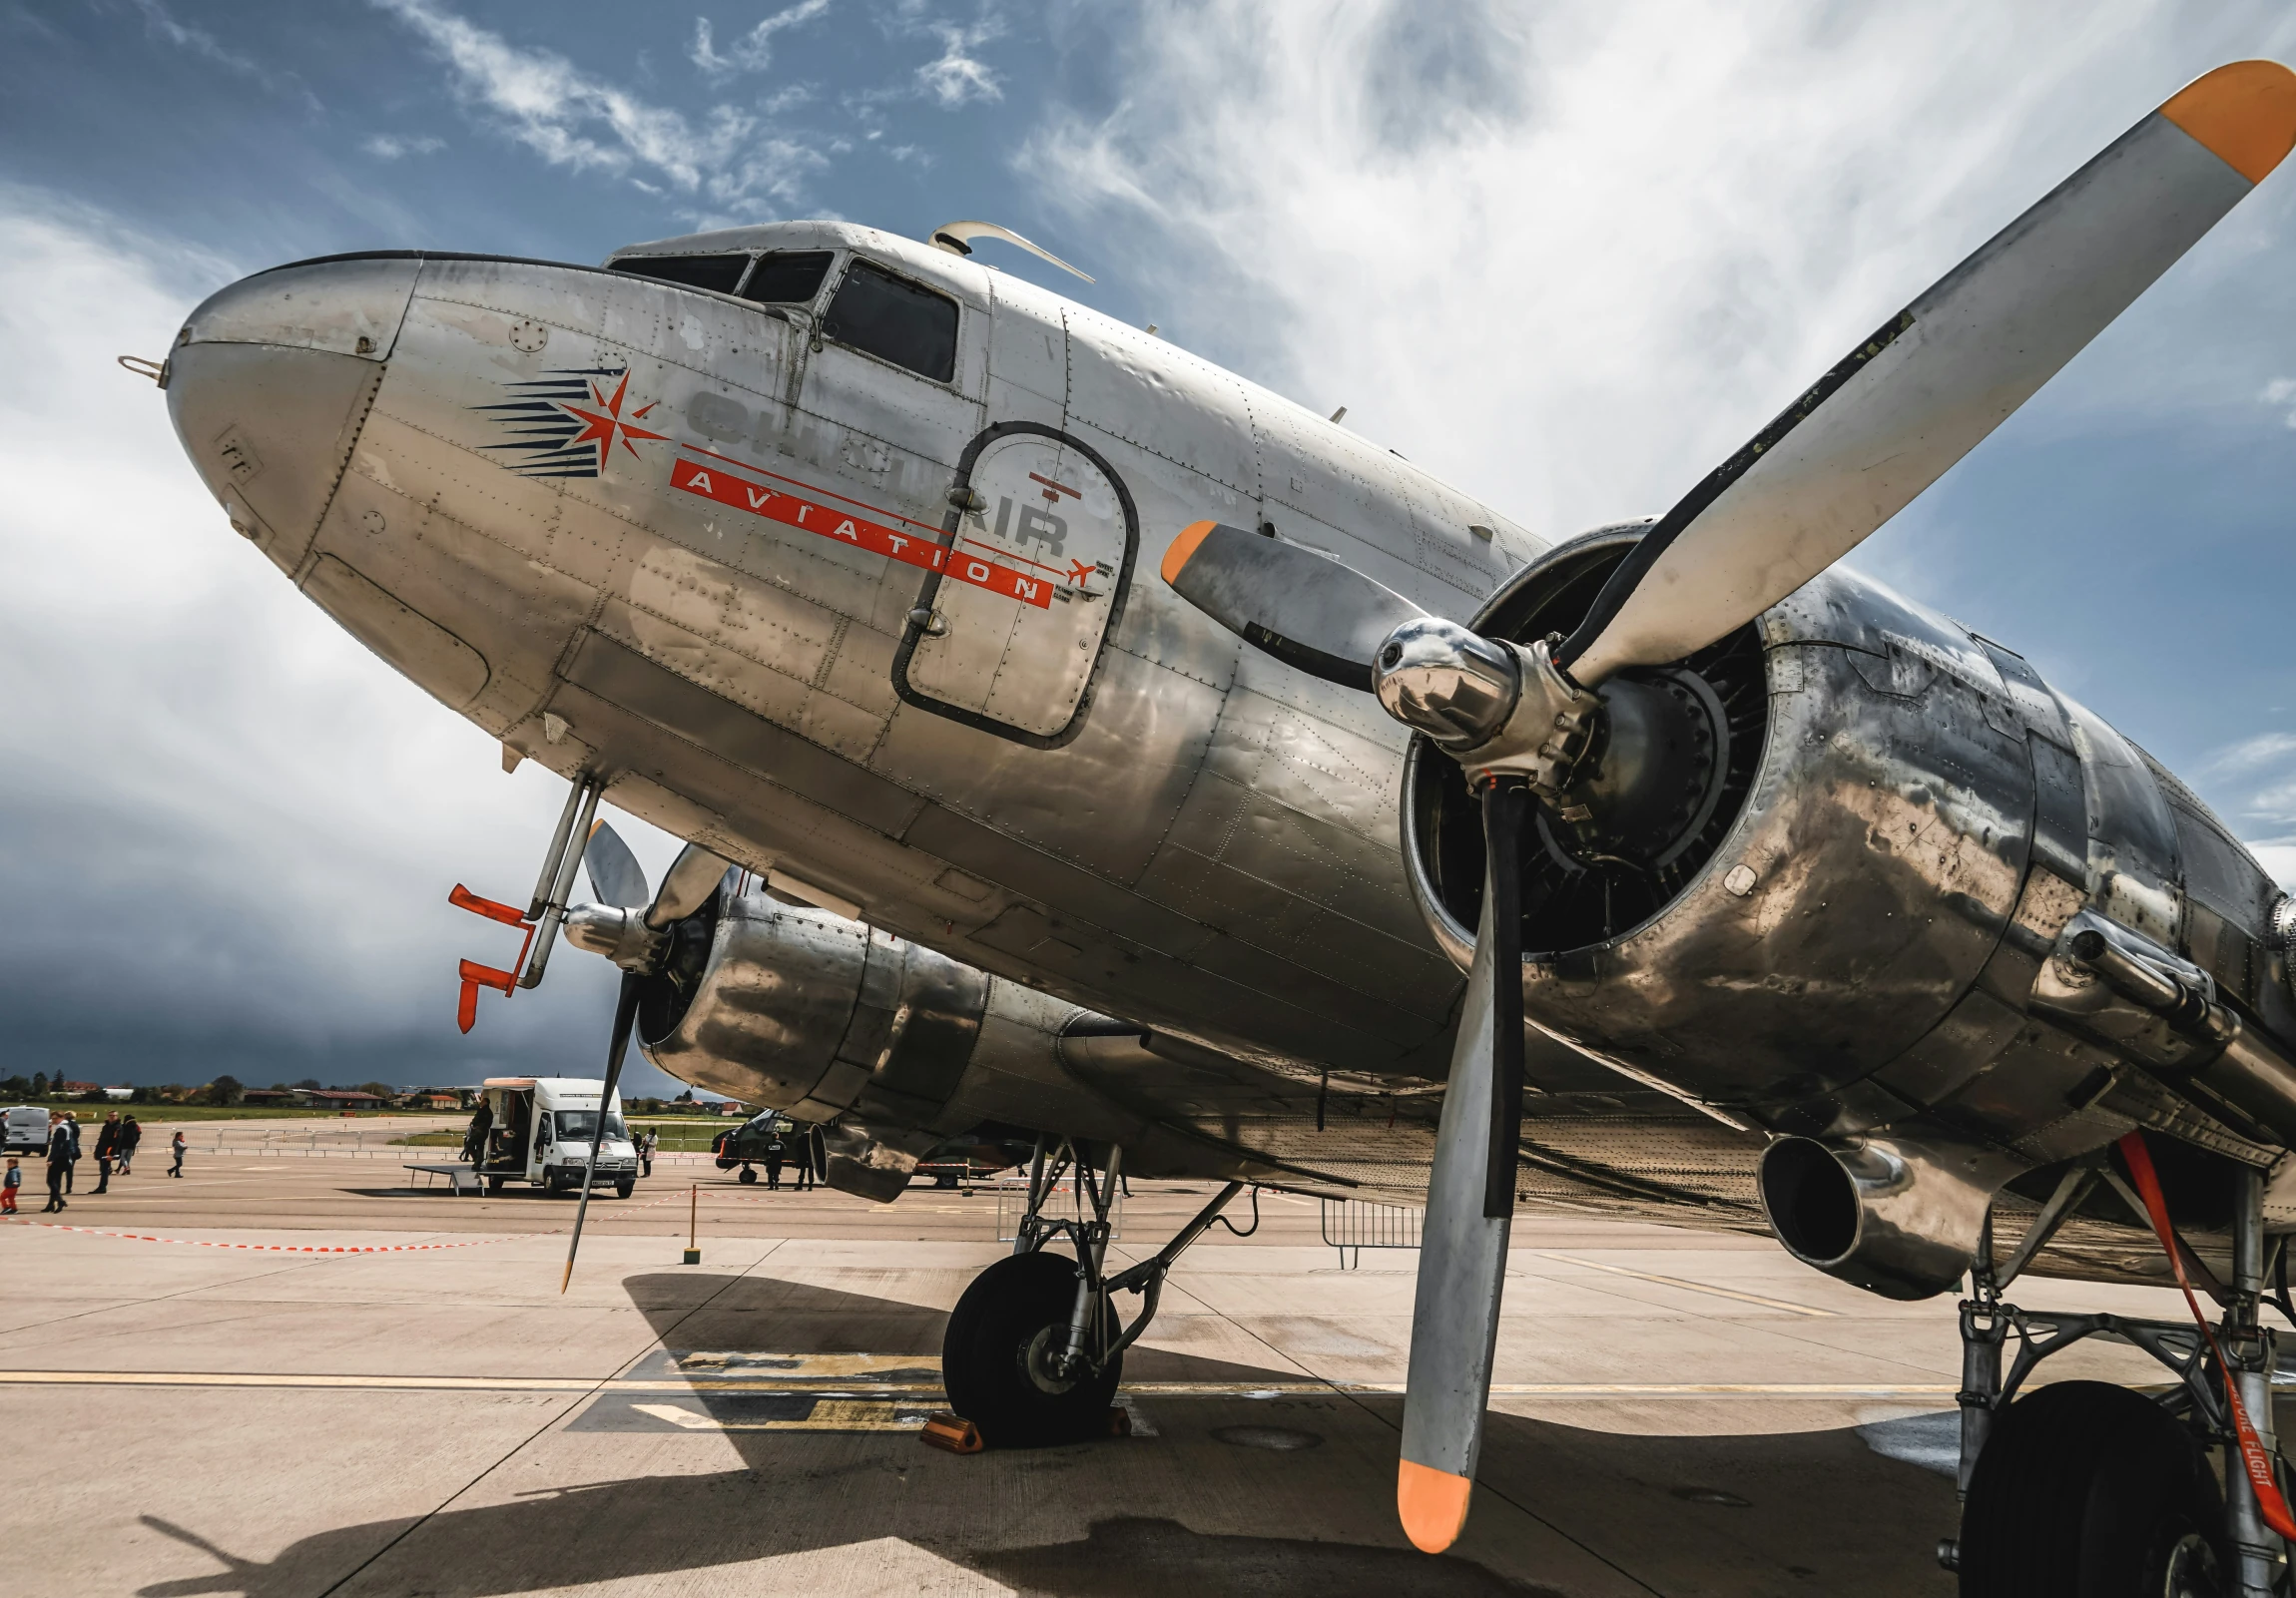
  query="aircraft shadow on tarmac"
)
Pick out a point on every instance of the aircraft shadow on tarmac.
point(1813, 1511)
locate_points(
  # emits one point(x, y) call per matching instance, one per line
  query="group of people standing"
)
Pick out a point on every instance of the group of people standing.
point(115, 1144)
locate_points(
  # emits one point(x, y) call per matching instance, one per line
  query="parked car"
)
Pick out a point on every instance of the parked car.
point(26, 1128)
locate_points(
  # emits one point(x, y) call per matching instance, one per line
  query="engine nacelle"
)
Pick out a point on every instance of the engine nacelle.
point(1811, 879)
point(890, 1046)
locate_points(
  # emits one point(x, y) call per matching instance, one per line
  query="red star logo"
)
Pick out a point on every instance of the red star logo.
point(606, 427)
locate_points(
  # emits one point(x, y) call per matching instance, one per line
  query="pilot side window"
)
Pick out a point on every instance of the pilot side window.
point(720, 273)
point(789, 276)
point(894, 320)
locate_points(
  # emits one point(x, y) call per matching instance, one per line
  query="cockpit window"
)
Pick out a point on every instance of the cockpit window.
point(721, 273)
point(894, 320)
point(789, 276)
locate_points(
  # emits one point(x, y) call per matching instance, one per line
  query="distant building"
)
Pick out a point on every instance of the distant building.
point(316, 1098)
point(733, 1107)
point(76, 1087)
point(341, 1099)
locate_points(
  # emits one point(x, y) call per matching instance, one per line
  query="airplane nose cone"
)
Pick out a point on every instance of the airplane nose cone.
point(270, 380)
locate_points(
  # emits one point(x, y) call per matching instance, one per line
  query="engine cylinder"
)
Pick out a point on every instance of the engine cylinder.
point(784, 1005)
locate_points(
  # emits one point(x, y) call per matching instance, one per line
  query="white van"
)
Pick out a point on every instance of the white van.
point(26, 1128)
point(539, 1129)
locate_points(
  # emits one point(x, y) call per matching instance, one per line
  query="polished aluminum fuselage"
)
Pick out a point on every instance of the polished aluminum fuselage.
point(1212, 851)
point(748, 612)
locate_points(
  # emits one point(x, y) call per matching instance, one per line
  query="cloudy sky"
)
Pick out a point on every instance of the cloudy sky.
point(1568, 254)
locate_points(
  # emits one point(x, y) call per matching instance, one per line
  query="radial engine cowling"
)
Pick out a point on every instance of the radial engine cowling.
point(891, 1046)
point(1812, 877)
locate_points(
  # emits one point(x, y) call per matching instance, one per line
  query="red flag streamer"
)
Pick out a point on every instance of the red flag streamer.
point(2257, 1462)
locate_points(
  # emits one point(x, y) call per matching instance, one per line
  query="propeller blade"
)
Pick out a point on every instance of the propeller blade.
point(691, 879)
point(615, 876)
point(1470, 1210)
point(625, 1018)
point(1896, 412)
point(1308, 608)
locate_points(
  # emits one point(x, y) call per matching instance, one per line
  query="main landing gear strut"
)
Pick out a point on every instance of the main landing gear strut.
point(2090, 1489)
point(1035, 1347)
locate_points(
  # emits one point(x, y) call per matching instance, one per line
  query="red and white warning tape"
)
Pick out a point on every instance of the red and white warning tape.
point(268, 1248)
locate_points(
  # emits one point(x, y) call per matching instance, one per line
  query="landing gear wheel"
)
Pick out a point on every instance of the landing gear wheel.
point(2087, 1490)
point(749, 1174)
point(996, 1358)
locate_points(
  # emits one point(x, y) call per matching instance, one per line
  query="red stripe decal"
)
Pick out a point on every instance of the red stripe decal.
point(730, 488)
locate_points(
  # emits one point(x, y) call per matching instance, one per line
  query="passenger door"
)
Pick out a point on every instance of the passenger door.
point(1031, 576)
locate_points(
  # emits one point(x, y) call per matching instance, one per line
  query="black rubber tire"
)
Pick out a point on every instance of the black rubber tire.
point(493, 1185)
point(984, 1357)
point(622, 1190)
point(748, 1173)
point(2089, 1490)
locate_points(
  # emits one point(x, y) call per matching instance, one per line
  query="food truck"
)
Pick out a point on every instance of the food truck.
point(539, 1129)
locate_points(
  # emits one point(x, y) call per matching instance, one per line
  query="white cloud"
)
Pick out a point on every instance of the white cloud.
point(390, 146)
point(1570, 257)
point(160, 23)
point(573, 119)
point(2280, 391)
point(227, 830)
point(958, 76)
point(2250, 752)
point(753, 51)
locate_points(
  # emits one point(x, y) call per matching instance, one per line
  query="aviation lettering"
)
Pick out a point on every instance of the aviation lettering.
point(723, 487)
point(1042, 527)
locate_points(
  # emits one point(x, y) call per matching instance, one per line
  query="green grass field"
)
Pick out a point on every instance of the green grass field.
point(214, 1112)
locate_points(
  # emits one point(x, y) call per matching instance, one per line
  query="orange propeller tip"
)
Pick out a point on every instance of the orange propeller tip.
point(1184, 548)
point(1433, 1505)
point(2243, 112)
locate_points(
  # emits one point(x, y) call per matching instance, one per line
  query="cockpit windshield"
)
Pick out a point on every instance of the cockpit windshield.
point(720, 273)
point(787, 276)
point(579, 1126)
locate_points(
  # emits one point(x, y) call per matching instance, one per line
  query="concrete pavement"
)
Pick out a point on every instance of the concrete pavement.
point(199, 1406)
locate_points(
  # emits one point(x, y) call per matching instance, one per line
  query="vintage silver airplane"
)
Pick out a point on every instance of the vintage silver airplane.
point(1077, 741)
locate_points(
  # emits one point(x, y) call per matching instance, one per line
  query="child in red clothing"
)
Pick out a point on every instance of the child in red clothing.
point(8, 1187)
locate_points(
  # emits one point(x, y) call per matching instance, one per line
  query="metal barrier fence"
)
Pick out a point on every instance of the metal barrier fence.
point(1358, 1223)
point(1012, 1203)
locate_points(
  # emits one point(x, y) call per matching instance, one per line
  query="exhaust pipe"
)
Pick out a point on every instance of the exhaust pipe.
point(2230, 1059)
point(1898, 1216)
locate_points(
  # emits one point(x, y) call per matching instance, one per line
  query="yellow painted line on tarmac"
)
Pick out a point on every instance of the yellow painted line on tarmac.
point(1695, 1286)
point(829, 1416)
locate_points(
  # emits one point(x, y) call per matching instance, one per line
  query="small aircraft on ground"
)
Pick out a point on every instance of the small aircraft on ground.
point(1076, 738)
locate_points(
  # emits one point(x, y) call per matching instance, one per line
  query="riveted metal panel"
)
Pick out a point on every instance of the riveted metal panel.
point(622, 676)
point(2134, 876)
point(996, 857)
point(1133, 387)
point(1103, 801)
